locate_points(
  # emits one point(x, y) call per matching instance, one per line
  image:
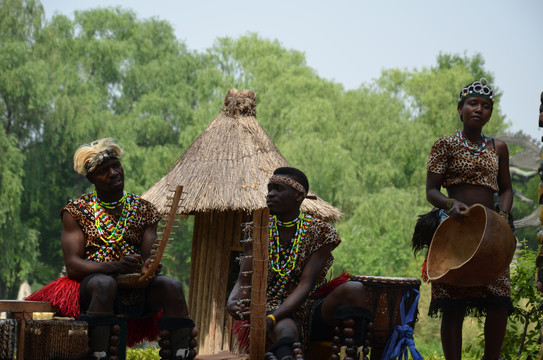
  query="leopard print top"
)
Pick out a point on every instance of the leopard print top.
point(83, 214)
point(450, 157)
point(318, 234)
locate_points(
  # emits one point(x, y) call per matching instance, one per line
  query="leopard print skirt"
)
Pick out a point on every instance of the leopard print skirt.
point(473, 300)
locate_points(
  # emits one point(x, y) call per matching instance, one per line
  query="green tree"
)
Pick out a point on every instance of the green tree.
point(21, 103)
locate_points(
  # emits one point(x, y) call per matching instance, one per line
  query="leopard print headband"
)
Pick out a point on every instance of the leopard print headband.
point(99, 158)
point(293, 184)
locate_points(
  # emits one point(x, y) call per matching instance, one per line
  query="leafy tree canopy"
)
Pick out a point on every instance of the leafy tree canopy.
point(105, 72)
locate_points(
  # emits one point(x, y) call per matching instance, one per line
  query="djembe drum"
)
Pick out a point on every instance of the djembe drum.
point(383, 297)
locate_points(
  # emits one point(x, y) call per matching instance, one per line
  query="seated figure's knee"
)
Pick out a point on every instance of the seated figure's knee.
point(170, 287)
point(352, 292)
point(102, 286)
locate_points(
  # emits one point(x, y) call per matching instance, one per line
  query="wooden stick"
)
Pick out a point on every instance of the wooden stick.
point(259, 283)
point(136, 280)
point(165, 235)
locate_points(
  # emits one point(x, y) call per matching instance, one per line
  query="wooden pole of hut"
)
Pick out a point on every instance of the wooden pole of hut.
point(259, 283)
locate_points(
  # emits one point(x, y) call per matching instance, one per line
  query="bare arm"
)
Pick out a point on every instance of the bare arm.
point(240, 291)
point(309, 277)
point(436, 197)
point(73, 248)
point(149, 238)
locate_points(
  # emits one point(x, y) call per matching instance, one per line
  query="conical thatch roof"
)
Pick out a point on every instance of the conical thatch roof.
point(228, 166)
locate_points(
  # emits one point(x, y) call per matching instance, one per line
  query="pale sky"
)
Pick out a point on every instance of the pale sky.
point(351, 41)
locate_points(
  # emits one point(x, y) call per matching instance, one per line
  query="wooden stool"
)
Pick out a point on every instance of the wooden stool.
point(22, 311)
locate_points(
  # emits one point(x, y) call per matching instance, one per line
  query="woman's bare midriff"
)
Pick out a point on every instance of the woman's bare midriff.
point(472, 194)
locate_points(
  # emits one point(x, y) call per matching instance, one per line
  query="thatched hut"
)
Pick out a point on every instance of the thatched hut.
point(225, 174)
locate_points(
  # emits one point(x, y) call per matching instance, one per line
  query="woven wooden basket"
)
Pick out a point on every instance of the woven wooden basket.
point(56, 339)
point(8, 329)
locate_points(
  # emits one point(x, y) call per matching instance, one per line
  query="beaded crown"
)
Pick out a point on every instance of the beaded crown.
point(479, 88)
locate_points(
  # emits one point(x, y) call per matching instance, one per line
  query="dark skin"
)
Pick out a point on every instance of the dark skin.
point(475, 113)
point(284, 202)
point(162, 292)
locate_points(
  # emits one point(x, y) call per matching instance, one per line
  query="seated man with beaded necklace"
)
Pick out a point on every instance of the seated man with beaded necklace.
point(109, 232)
point(300, 256)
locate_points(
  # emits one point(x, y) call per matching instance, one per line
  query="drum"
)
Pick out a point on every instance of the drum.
point(472, 252)
point(56, 339)
point(383, 296)
point(8, 330)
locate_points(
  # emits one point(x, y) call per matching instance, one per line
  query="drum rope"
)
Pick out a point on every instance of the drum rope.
point(401, 342)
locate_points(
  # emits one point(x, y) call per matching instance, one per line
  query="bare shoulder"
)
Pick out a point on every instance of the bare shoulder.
point(501, 147)
point(68, 220)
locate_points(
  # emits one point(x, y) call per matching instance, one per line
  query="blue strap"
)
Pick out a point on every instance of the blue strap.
point(401, 341)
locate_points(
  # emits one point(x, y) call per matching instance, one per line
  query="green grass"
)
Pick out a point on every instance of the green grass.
point(148, 353)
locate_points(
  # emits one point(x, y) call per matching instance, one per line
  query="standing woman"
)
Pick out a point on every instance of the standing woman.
point(473, 168)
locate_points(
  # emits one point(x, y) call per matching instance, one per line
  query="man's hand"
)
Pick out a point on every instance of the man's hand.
point(237, 309)
point(146, 267)
point(130, 264)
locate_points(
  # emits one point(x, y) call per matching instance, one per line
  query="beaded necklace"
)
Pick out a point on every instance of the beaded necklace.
point(114, 204)
point(472, 149)
point(283, 259)
point(110, 233)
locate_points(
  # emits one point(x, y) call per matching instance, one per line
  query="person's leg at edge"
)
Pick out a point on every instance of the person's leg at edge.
point(176, 327)
point(495, 324)
point(284, 334)
point(451, 334)
point(97, 299)
point(101, 290)
point(164, 292)
point(343, 305)
point(351, 293)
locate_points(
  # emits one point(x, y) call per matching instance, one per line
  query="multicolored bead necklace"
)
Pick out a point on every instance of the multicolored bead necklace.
point(283, 260)
point(473, 150)
point(112, 235)
point(114, 204)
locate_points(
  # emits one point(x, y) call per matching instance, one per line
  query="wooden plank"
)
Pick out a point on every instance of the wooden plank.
point(216, 298)
point(222, 285)
point(194, 263)
point(26, 306)
point(200, 277)
point(206, 283)
point(235, 225)
point(259, 284)
point(236, 245)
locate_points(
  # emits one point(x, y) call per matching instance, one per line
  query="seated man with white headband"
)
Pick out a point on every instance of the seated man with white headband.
point(109, 232)
point(298, 306)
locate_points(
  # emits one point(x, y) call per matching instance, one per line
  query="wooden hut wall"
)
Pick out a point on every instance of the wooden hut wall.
point(216, 235)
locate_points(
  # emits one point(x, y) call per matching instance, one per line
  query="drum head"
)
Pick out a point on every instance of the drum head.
point(471, 252)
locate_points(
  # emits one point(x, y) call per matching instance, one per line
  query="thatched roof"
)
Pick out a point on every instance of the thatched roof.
point(228, 166)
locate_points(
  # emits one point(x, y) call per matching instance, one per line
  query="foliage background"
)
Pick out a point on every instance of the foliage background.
point(105, 72)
